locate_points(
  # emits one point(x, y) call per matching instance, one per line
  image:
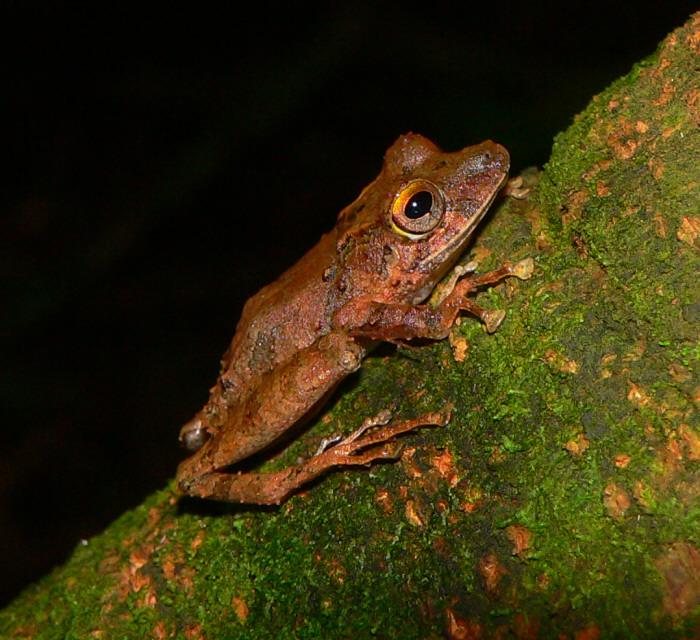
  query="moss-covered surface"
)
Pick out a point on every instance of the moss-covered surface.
point(564, 497)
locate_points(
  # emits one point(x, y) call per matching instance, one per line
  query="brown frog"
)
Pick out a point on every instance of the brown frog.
point(364, 282)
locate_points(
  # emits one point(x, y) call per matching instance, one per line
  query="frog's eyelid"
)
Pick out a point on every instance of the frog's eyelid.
point(409, 200)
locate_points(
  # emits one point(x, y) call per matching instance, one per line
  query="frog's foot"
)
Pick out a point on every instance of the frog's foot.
point(522, 270)
point(514, 189)
point(348, 449)
point(373, 441)
point(491, 318)
point(382, 418)
point(446, 286)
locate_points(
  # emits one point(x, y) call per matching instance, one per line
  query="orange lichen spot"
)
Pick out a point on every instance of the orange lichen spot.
point(666, 94)
point(657, 167)
point(673, 447)
point(621, 460)
point(474, 498)
point(643, 494)
point(458, 628)
point(607, 359)
point(442, 547)
point(543, 582)
point(602, 189)
point(576, 200)
point(525, 627)
point(615, 500)
point(479, 254)
point(337, 571)
point(636, 352)
point(459, 345)
point(521, 537)
point(109, 564)
point(186, 578)
point(671, 460)
point(693, 99)
point(560, 361)
point(638, 396)
point(153, 517)
point(139, 557)
point(587, 175)
point(138, 581)
point(576, 446)
point(444, 464)
point(498, 455)
point(168, 569)
point(689, 229)
point(630, 211)
point(240, 608)
point(660, 225)
point(692, 441)
point(194, 632)
point(693, 41)
point(543, 242)
point(689, 492)
point(623, 149)
point(442, 506)
point(680, 570)
point(159, 631)
point(591, 632)
point(613, 104)
point(679, 373)
point(150, 599)
point(641, 126)
point(197, 540)
point(625, 125)
point(469, 507)
point(413, 515)
point(410, 466)
point(383, 499)
point(669, 131)
point(492, 571)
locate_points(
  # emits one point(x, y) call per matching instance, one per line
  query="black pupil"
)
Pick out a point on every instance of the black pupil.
point(419, 205)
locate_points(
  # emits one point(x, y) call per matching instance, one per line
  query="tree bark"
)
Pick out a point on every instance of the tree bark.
point(563, 497)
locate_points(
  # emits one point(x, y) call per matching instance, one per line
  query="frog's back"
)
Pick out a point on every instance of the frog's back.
point(284, 317)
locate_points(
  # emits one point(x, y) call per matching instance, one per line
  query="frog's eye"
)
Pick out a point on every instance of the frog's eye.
point(418, 207)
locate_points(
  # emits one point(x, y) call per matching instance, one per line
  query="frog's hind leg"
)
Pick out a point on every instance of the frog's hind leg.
point(370, 443)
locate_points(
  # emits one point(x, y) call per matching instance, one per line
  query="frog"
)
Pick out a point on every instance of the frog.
point(366, 281)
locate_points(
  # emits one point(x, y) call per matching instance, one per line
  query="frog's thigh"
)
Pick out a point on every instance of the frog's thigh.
point(285, 395)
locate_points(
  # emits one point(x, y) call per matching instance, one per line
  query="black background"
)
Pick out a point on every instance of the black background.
point(163, 161)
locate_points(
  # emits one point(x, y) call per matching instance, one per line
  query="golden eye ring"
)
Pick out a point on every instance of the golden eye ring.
point(418, 207)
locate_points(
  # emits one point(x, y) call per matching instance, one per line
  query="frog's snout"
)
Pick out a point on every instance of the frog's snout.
point(495, 156)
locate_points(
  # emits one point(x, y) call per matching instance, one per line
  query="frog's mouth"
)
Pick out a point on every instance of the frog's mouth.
point(438, 263)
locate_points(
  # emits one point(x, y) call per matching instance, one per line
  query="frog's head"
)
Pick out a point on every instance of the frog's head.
point(411, 224)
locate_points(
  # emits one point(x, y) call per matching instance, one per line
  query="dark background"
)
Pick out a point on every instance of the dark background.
point(162, 163)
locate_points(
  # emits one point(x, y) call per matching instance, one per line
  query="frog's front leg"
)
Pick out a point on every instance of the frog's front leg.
point(360, 448)
point(403, 321)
